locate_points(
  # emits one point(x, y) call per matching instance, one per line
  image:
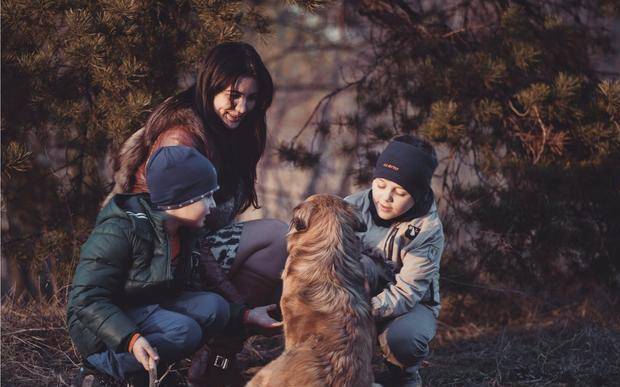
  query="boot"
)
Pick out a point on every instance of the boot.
point(410, 377)
point(210, 368)
point(214, 364)
point(400, 377)
point(197, 373)
point(89, 377)
point(137, 379)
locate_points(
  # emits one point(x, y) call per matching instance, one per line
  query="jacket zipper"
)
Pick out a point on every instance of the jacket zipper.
point(168, 263)
point(389, 242)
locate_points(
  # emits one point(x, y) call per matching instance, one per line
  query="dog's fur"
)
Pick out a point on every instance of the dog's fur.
point(328, 328)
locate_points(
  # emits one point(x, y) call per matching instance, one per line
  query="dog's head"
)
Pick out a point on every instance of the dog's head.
point(323, 211)
point(324, 248)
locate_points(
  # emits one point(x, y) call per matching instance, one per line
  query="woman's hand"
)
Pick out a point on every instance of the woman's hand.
point(144, 353)
point(260, 316)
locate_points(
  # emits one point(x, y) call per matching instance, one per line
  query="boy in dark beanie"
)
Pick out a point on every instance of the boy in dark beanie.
point(404, 242)
point(137, 298)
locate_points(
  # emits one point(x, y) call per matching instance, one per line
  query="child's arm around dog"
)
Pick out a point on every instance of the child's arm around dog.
point(408, 266)
point(420, 261)
point(404, 238)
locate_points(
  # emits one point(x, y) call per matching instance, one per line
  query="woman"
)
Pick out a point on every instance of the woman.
point(223, 116)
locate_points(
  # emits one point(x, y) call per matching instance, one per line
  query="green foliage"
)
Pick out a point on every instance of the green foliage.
point(15, 158)
point(443, 123)
point(508, 92)
point(78, 77)
point(299, 155)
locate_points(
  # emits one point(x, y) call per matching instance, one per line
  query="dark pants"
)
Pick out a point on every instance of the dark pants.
point(175, 328)
point(404, 340)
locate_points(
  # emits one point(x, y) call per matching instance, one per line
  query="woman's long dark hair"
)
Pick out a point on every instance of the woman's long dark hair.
point(235, 152)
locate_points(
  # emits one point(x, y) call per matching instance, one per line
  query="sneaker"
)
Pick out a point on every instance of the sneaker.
point(88, 377)
point(138, 379)
point(410, 379)
point(215, 365)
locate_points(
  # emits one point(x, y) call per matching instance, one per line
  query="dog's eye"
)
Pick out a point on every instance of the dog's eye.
point(298, 224)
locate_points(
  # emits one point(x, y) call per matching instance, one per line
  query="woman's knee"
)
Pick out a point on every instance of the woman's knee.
point(276, 226)
point(264, 233)
point(275, 234)
point(268, 258)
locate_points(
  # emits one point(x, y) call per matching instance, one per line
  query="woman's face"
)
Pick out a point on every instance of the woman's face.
point(391, 200)
point(236, 101)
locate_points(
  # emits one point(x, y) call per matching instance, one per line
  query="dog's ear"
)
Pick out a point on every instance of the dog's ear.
point(301, 216)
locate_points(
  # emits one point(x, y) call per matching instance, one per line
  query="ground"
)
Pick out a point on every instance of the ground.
point(562, 347)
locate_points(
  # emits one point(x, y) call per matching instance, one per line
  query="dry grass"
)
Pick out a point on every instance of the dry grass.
point(36, 349)
point(572, 345)
point(558, 354)
point(575, 344)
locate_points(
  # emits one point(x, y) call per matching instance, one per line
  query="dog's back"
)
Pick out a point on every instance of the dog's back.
point(328, 327)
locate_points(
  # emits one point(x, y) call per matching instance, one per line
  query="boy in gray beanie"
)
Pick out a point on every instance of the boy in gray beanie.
point(404, 241)
point(137, 298)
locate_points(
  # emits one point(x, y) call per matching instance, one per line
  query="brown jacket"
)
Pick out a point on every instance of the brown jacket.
point(185, 129)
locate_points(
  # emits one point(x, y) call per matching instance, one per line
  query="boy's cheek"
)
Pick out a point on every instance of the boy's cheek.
point(374, 196)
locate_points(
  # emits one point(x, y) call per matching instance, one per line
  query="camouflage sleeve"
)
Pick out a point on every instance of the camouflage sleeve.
point(214, 278)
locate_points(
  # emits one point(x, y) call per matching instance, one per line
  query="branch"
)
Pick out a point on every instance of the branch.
point(347, 85)
point(545, 132)
point(514, 109)
point(327, 97)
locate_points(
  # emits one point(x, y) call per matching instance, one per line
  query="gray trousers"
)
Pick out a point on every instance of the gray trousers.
point(403, 340)
point(175, 328)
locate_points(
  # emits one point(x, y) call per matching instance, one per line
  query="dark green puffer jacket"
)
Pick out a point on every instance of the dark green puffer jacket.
point(125, 262)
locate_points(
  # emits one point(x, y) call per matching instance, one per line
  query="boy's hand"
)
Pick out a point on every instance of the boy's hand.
point(374, 253)
point(260, 316)
point(145, 354)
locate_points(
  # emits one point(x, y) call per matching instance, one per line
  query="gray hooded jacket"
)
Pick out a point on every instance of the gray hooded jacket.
point(413, 249)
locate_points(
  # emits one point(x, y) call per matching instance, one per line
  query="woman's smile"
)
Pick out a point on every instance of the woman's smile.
point(232, 118)
point(236, 101)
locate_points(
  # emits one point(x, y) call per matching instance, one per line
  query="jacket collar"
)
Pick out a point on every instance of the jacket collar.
point(147, 222)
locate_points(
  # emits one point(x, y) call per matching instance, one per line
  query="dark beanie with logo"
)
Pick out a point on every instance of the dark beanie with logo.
point(412, 168)
point(178, 176)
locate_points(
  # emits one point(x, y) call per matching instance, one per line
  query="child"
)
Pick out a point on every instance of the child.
point(136, 297)
point(405, 239)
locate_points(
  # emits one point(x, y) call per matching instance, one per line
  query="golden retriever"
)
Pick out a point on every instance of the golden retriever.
point(329, 332)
